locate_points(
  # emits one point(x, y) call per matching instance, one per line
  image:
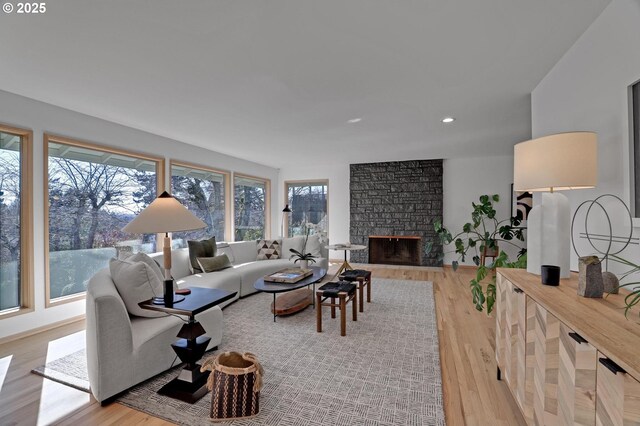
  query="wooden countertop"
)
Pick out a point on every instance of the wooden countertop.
point(600, 321)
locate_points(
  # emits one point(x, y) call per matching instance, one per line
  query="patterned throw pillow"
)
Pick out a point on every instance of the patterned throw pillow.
point(268, 249)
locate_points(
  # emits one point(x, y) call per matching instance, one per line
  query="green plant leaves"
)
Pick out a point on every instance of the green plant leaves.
point(491, 296)
point(443, 234)
point(484, 231)
point(633, 298)
point(507, 232)
point(459, 246)
point(428, 246)
point(477, 294)
point(302, 256)
point(481, 273)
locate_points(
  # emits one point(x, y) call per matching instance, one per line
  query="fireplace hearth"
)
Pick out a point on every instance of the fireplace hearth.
point(395, 249)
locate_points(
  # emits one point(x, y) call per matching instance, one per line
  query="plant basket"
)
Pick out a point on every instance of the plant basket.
point(491, 251)
point(235, 382)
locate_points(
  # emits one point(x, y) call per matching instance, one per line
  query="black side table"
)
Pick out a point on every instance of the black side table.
point(190, 385)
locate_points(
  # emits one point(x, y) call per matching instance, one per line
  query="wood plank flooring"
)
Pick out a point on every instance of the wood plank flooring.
point(472, 395)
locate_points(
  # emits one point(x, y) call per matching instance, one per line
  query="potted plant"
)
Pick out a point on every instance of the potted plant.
point(301, 256)
point(633, 298)
point(483, 237)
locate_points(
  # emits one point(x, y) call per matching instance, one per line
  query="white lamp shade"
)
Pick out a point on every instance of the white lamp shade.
point(559, 162)
point(165, 214)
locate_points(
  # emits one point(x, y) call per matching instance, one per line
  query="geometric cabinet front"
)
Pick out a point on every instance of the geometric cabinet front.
point(546, 360)
point(564, 377)
point(618, 395)
point(576, 379)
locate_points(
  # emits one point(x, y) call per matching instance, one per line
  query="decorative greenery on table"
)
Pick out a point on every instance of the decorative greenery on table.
point(484, 230)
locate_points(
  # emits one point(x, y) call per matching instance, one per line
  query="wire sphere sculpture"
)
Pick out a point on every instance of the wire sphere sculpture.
point(615, 244)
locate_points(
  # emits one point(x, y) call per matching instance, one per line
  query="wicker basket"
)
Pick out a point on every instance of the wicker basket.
point(235, 382)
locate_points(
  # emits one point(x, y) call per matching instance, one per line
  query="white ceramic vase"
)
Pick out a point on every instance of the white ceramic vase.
point(304, 264)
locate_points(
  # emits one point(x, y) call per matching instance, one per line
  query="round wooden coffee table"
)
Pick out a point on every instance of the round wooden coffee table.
point(298, 296)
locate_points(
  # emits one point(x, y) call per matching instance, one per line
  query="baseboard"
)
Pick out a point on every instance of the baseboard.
point(31, 332)
point(464, 267)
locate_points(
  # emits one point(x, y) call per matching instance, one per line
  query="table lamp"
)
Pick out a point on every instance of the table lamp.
point(548, 164)
point(165, 214)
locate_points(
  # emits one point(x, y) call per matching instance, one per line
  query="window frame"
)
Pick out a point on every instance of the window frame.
point(325, 182)
point(267, 203)
point(26, 222)
point(228, 210)
point(46, 139)
point(634, 148)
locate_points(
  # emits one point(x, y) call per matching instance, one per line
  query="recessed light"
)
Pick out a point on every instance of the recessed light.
point(448, 120)
point(354, 120)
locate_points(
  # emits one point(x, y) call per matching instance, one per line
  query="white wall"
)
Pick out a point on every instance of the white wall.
point(464, 180)
point(588, 90)
point(40, 117)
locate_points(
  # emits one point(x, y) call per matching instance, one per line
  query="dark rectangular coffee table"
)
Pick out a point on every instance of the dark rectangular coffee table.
point(190, 385)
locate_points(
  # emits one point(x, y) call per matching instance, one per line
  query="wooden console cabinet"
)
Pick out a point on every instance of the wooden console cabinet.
point(567, 360)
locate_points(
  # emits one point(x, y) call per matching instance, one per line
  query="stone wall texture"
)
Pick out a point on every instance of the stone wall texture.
point(396, 198)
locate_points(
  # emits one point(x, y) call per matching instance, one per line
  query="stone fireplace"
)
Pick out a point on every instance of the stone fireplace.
point(399, 201)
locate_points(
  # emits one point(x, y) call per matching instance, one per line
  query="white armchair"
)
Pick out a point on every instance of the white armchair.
point(123, 351)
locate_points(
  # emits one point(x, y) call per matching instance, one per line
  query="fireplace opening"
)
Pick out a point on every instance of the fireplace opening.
point(395, 249)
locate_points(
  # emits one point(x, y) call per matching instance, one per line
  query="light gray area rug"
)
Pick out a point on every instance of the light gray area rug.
point(386, 371)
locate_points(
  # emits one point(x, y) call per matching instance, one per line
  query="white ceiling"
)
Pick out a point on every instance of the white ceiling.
point(276, 81)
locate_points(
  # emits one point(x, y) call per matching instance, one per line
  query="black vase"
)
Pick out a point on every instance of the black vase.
point(550, 275)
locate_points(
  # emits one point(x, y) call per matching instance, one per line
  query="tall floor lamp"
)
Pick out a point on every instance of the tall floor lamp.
point(165, 214)
point(548, 164)
point(285, 212)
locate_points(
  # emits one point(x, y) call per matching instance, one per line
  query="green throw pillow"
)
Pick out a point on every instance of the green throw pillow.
point(202, 248)
point(215, 263)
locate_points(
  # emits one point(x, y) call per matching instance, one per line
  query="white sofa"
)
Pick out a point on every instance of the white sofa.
point(124, 350)
point(245, 268)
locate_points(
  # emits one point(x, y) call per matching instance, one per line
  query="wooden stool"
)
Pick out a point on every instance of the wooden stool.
point(363, 278)
point(345, 292)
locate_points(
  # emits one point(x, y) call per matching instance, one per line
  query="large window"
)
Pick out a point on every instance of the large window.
point(16, 266)
point(92, 193)
point(251, 207)
point(204, 192)
point(308, 203)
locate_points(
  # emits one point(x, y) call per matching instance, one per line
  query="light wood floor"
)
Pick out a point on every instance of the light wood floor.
point(472, 395)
